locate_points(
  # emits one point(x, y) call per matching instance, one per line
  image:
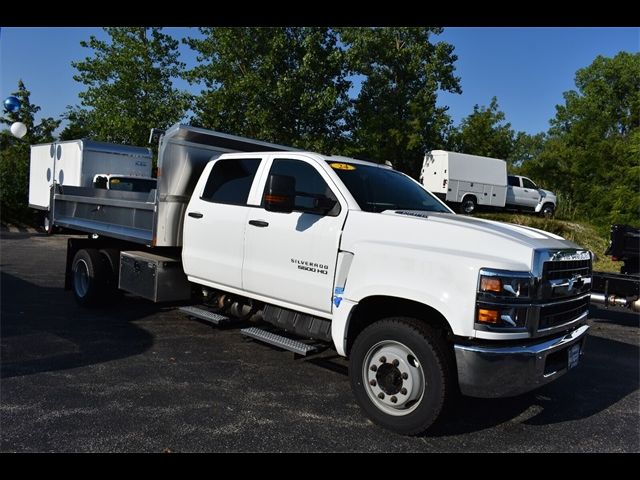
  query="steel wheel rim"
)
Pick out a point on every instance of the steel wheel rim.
point(393, 378)
point(81, 278)
point(467, 206)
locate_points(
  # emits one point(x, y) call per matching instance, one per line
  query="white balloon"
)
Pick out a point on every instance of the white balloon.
point(19, 129)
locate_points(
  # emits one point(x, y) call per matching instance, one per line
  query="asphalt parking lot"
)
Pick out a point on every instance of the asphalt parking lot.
point(136, 377)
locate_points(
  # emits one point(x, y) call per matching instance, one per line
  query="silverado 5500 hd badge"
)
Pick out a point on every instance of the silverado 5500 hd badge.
point(311, 266)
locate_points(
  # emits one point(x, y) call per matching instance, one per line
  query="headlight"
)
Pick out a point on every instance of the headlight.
point(504, 284)
point(502, 299)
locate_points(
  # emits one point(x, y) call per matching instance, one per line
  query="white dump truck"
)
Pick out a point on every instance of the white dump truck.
point(330, 252)
point(469, 181)
point(76, 163)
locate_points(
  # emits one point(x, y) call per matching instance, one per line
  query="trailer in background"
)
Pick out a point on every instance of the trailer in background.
point(620, 289)
point(75, 163)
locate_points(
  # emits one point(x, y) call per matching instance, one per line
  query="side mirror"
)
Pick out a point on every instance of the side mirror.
point(280, 193)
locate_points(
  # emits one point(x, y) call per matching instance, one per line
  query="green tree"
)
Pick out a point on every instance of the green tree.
point(484, 132)
point(284, 84)
point(526, 148)
point(129, 86)
point(78, 125)
point(14, 154)
point(593, 151)
point(395, 116)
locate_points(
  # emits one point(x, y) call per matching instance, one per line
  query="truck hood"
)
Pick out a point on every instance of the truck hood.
point(546, 193)
point(502, 245)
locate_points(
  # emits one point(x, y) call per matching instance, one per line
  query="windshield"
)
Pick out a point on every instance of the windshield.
point(129, 184)
point(378, 189)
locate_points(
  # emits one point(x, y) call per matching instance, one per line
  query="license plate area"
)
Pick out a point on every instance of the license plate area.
point(564, 359)
point(574, 355)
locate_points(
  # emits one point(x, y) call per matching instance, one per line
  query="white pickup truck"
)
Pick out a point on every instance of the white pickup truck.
point(329, 251)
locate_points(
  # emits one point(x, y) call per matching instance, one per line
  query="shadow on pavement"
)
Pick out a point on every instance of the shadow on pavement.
point(43, 329)
point(618, 316)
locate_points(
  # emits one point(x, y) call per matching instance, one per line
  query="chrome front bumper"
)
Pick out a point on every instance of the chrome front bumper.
point(491, 372)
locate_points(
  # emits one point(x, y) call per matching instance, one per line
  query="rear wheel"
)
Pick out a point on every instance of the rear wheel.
point(47, 226)
point(468, 205)
point(400, 374)
point(90, 277)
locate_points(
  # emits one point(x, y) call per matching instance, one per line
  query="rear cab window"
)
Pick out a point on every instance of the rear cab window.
point(230, 181)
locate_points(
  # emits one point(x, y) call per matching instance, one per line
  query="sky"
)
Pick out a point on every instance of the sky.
point(526, 68)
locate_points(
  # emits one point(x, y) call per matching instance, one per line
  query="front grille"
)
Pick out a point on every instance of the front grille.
point(566, 269)
point(560, 313)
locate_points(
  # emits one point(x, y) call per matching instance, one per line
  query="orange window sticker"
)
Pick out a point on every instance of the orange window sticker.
point(342, 166)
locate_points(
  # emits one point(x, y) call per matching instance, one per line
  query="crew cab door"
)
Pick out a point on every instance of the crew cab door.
point(291, 257)
point(522, 192)
point(215, 222)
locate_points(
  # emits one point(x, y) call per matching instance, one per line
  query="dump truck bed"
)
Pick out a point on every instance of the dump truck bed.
point(154, 218)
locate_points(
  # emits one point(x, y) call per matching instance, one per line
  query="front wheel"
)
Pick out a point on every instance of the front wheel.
point(547, 210)
point(401, 374)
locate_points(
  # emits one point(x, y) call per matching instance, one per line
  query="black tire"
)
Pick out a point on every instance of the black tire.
point(46, 223)
point(547, 210)
point(112, 257)
point(90, 276)
point(428, 347)
point(468, 205)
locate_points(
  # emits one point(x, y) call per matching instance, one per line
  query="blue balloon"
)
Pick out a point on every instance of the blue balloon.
point(11, 104)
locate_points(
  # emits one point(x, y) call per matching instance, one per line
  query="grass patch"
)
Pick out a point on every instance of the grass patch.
point(582, 233)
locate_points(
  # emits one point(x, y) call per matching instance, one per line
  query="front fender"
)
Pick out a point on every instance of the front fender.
point(443, 279)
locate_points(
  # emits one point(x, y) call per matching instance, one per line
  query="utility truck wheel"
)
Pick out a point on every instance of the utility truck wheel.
point(400, 374)
point(468, 205)
point(46, 224)
point(90, 277)
point(547, 210)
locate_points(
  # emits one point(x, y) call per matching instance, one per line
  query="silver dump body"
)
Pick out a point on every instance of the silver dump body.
point(154, 218)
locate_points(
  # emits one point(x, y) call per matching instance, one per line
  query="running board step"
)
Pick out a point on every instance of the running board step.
point(294, 346)
point(206, 315)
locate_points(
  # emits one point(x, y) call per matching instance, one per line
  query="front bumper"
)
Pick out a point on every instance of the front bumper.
point(491, 372)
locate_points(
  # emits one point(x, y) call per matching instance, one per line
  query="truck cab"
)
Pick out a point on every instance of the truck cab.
point(524, 194)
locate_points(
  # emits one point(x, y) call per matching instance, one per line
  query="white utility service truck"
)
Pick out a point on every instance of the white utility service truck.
point(468, 181)
point(324, 251)
point(76, 163)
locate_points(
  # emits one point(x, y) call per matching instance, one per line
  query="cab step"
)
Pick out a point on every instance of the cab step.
point(205, 315)
point(285, 343)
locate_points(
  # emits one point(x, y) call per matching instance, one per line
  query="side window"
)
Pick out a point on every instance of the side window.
point(309, 183)
point(230, 181)
point(526, 183)
point(513, 181)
